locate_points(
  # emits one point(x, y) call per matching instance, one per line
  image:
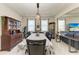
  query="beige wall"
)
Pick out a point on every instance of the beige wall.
point(72, 20)
point(56, 25)
point(0, 32)
point(51, 19)
point(0, 26)
point(24, 21)
point(68, 20)
point(5, 11)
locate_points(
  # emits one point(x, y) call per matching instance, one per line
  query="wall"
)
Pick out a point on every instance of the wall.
point(72, 20)
point(0, 26)
point(0, 32)
point(51, 19)
point(5, 11)
point(68, 20)
point(24, 20)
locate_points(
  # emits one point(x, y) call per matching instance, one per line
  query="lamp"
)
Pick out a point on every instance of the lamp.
point(37, 17)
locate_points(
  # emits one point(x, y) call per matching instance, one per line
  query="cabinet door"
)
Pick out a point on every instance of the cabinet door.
point(5, 42)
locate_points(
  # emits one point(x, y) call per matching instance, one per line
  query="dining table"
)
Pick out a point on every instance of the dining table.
point(41, 36)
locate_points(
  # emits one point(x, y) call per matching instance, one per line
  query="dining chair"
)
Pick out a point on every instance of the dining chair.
point(36, 47)
point(49, 35)
point(28, 34)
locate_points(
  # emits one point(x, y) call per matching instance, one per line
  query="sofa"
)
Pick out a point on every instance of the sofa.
point(73, 36)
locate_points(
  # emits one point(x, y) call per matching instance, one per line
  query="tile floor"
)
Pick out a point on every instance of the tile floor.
point(59, 48)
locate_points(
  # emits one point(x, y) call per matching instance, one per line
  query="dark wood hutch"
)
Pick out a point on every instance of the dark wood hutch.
point(11, 34)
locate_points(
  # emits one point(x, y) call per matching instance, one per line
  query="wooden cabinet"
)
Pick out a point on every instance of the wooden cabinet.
point(11, 34)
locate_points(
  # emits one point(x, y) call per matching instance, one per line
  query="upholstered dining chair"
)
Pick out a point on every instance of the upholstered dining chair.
point(36, 47)
point(49, 35)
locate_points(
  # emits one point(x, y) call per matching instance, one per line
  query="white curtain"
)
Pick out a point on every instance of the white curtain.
point(31, 25)
point(61, 25)
point(44, 25)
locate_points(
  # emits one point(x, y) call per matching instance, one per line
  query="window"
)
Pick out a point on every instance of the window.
point(44, 25)
point(31, 25)
point(61, 25)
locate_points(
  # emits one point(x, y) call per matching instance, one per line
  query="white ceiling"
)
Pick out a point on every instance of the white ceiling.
point(74, 12)
point(30, 9)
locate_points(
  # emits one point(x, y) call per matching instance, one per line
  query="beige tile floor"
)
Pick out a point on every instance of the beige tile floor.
point(59, 48)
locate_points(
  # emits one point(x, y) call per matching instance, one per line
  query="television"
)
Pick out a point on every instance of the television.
point(73, 26)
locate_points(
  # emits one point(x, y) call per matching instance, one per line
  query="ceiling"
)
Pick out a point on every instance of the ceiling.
point(74, 12)
point(46, 9)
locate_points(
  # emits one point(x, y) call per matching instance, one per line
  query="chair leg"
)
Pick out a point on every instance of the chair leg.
point(50, 52)
point(25, 51)
point(45, 52)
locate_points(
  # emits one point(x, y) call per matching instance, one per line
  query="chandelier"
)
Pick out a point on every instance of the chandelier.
point(37, 17)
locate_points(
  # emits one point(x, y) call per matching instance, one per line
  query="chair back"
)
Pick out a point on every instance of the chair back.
point(49, 35)
point(36, 47)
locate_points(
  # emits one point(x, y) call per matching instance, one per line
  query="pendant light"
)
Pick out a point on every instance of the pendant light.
point(37, 17)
